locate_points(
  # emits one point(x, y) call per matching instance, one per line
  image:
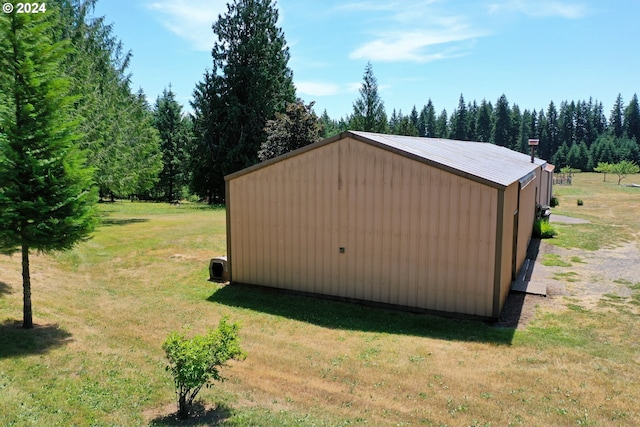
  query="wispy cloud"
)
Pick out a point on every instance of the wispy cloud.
point(437, 39)
point(317, 88)
point(416, 46)
point(412, 30)
point(190, 19)
point(541, 8)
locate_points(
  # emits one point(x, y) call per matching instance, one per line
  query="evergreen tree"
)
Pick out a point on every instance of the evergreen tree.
point(528, 130)
point(582, 131)
point(298, 127)
point(459, 123)
point(541, 133)
point(174, 132)
point(428, 116)
point(560, 156)
point(442, 125)
point(329, 126)
point(632, 119)
point(591, 133)
point(577, 156)
point(502, 132)
point(368, 110)
point(516, 130)
point(142, 146)
point(120, 141)
point(472, 120)
point(250, 82)
point(566, 123)
point(600, 124)
point(483, 123)
point(616, 119)
point(394, 120)
point(46, 197)
point(414, 118)
point(602, 150)
point(406, 127)
point(204, 154)
point(553, 132)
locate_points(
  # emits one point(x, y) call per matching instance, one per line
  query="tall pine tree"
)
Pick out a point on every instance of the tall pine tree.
point(502, 133)
point(616, 119)
point(368, 110)
point(174, 132)
point(46, 198)
point(632, 119)
point(250, 82)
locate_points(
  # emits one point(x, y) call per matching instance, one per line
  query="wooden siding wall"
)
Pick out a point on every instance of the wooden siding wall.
point(413, 235)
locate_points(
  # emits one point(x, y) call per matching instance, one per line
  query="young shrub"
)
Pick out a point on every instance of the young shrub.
point(196, 361)
point(554, 202)
point(580, 202)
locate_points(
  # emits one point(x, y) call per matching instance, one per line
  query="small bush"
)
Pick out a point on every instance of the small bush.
point(554, 202)
point(543, 230)
point(194, 362)
point(580, 202)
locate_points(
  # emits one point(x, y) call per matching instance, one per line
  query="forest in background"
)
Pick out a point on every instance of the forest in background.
point(245, 110)
point(578, 134)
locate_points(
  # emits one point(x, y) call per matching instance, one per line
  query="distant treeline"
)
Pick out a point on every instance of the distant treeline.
point(577, 134)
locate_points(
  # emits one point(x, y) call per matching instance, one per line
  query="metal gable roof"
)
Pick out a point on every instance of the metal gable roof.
point(484, 161)
point(481, 161)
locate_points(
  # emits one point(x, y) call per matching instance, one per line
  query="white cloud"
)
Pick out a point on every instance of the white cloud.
point(317, 89)
point(416, 46)
point(413, 30)
point(541, 8)
point(190, 19)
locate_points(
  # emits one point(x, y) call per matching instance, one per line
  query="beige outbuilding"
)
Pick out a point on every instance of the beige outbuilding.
point(422, 224)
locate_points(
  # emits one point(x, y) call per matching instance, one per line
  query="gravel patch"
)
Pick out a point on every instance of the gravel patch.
point(591, 276)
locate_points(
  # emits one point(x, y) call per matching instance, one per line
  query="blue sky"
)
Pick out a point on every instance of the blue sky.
point(533, 51)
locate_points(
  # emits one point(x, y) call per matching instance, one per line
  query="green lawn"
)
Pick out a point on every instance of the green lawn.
point(103, 310)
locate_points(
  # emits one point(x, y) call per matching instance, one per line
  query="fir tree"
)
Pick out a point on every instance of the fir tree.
point(174, 136)
point(553, 131)
point(46, 198)
point(616, 119)
point(459, 123)
point(632, 119)
point(329, 126)
point(442, 125)
point(428, 116)
point(250, 82)
point(368, 110)
point(120, 140)
point(502, 133)
point(483, 122)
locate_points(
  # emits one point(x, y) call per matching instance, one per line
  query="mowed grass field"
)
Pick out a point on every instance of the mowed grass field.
point(103, 310)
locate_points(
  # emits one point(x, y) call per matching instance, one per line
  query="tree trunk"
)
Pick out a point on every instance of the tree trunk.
point(27, 321)
point(183, 408)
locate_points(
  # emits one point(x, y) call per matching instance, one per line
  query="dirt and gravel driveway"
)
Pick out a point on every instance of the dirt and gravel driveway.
point(584, 280)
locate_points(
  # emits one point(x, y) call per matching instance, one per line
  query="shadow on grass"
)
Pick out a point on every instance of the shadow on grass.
point(360, 317)
point(107, 222)
point(4, 289)
point(200, 416)
point(17, 341)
